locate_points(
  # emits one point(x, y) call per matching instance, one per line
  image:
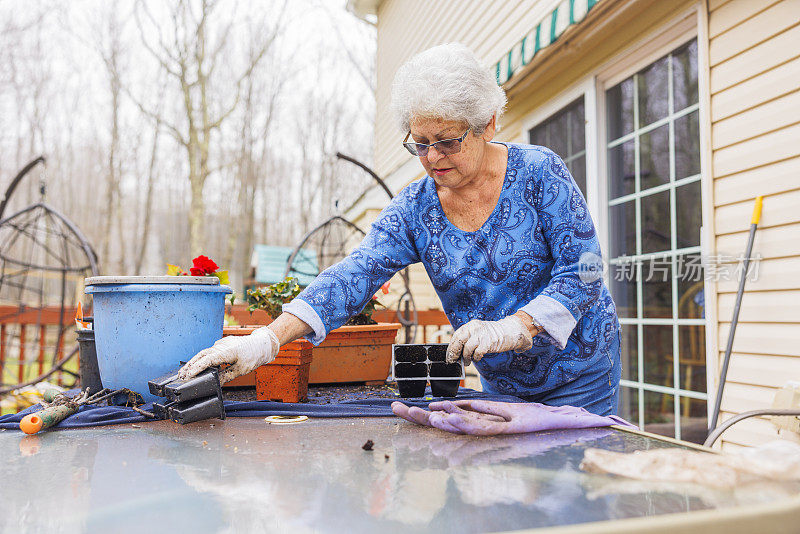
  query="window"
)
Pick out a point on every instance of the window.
point(565, 134)
point(652, 146)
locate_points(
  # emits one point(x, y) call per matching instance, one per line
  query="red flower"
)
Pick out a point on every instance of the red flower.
point(202, 266)
point(385, 288)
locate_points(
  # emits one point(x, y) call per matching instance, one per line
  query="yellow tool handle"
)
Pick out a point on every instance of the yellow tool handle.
point(757, 211)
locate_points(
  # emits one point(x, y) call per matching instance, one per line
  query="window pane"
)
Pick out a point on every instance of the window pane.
point(577, 128)
point(694, 420)
point(577, 167)
point(629, 352)
point(657, 352)
point(684, 76)
point(655, 223)
point(619, 109)
point(622, 279)
point(621, 170)
point(538, 136)
point(692, 346)
point(558, 135)
point(653, 83)
point(565, 134)
point(689, 215)
point(687, 146)
point(692, 340)
point(654, 154)
point(659, 413)
point(629, 404)
point(691, 293)
point(657, 288)
point(622, 229)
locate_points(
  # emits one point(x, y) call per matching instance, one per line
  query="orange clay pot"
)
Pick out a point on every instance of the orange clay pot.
point(285, 379)
point(360, 353)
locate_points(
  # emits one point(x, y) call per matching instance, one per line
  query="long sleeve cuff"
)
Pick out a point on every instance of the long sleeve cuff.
point(303, 311)
point(555, 318)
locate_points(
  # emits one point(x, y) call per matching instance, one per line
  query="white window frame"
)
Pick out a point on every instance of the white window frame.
point(692, 23)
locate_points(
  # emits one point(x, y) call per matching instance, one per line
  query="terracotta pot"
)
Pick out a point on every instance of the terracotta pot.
point(354, 354)
point(286, 378)
point(348, 354)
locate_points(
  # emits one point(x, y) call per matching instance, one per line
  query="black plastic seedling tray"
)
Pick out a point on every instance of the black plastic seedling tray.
point(190, 400)
point(414, 365)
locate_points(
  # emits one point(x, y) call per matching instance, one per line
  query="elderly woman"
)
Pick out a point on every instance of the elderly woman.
point(505, 236)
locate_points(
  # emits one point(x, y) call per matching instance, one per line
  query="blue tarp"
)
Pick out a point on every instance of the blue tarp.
point(374, 407)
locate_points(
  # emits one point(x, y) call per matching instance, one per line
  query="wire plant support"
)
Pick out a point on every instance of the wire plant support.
point(44, 258)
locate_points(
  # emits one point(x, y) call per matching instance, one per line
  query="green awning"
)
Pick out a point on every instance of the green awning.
point(543, 34)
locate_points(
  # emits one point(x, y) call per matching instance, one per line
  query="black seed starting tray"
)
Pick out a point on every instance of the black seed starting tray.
point(190, 400)
point(414, 365)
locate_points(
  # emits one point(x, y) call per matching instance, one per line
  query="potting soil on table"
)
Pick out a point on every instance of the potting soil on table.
point(372, 406)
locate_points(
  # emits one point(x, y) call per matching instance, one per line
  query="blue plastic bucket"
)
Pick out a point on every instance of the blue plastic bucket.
point(146, 325)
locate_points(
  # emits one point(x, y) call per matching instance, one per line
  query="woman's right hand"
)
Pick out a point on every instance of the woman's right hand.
point(242, 353)
point(477, 338)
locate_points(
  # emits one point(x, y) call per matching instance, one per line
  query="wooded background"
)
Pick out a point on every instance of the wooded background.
point(177, 128)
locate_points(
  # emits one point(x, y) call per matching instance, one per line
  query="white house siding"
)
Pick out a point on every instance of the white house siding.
point(754, 56)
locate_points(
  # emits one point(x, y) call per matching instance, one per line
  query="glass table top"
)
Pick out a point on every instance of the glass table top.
point(243, 475)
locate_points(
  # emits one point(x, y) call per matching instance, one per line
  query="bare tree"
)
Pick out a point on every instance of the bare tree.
point(234, 103)
point(188, 54)
point(146, 213)
point(110, 48)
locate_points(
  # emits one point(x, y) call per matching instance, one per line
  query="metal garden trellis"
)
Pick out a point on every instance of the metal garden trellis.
point(333, 239)
point(44, 258)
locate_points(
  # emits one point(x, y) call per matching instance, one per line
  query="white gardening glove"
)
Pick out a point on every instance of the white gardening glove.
point(243, 353)
point(477, 338)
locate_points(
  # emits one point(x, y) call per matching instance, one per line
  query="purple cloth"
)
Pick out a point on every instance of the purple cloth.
point(488, 418)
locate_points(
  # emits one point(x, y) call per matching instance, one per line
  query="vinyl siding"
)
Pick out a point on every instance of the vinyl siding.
point(755, 138)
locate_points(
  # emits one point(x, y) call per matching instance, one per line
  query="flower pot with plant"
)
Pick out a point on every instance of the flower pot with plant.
point(360, 351)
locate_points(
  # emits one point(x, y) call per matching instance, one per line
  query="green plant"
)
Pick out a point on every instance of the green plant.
point(272, 298)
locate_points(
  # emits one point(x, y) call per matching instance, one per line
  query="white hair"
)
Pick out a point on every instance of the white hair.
point(446, 82)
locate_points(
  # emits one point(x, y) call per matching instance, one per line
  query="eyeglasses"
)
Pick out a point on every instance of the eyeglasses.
point(445, 147)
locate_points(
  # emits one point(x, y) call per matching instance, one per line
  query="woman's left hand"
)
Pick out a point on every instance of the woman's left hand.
point(478, 338)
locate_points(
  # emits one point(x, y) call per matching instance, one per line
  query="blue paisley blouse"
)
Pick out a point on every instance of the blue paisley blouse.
point(537, 252)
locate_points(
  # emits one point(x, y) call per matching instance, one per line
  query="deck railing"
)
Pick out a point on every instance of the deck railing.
point(29, 336)
point(433, 325)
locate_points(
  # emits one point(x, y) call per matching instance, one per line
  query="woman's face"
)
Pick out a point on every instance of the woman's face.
point(455, 170)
